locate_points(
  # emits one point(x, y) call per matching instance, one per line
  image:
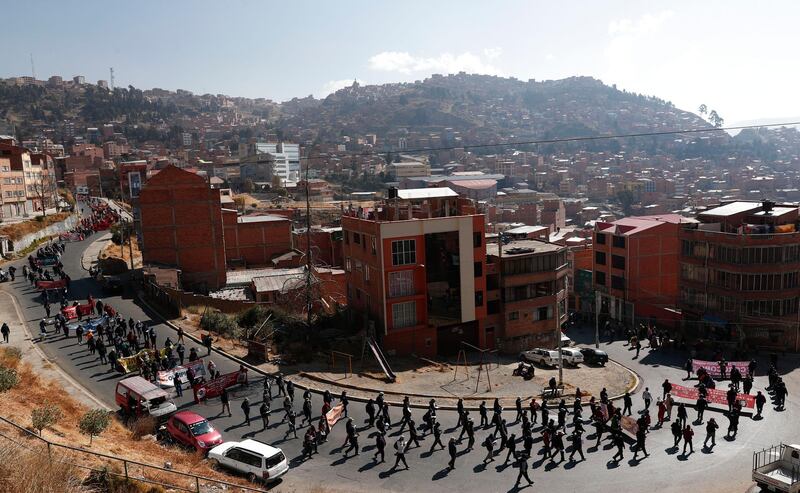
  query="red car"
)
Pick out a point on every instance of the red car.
point(193, 430)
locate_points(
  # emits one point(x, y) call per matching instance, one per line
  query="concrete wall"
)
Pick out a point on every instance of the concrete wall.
point(53, 229)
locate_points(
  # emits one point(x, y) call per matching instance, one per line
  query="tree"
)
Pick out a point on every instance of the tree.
point(94, 422)
point(43, 187)
point(703, 109)
point(715, 119)
point(44, 416)
point(626, 200)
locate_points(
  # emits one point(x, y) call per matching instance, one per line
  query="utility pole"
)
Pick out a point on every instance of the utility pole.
point(596, 319)
point(130, 240)
point(308, 247)
point(558, 336)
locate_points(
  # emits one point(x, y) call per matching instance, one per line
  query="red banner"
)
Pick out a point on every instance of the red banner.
point(51, 284)
point(713, 368)
point(334, 415)
point(213, 388)
point(713, 396)
point(71, 312)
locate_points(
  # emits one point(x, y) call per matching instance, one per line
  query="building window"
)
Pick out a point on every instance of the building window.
point(356, 238)
point(404, 314)
point(478, 298)
point(600, 258)
point(401, 283)
point(513, 316)
point(478, 269)
point(492, 307)
point(477, 240)
point(617, 282)
point(601, 238)
point(366, 273)
point(372, 241)
point(543, 313)
point(404, 252)
point(618, 261)
point(346, 237)
point(618, 242)
point(600, 278)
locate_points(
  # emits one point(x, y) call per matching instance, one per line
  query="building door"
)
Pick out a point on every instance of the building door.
point(449, 337)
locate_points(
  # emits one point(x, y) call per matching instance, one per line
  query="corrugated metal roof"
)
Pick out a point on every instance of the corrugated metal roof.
point(474, 184)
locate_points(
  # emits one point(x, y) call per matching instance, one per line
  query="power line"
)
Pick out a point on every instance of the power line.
point(587, 138)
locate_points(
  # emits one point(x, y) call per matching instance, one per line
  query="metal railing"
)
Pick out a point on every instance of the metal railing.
point(117, 466)
point(771, 455)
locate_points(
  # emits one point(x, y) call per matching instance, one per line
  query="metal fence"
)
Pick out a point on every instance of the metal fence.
point(115, 466)
point(771, 455)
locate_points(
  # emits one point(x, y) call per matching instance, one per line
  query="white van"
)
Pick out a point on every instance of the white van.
point(135, 395)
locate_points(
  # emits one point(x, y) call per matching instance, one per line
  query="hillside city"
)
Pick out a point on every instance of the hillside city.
point(440, 233)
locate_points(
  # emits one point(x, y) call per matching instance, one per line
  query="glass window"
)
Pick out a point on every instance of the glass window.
point(404, 314)
point(401, 283)
point(477, 239)
point(618, 261)
point(617, 282)
point(618, 242)
point(601, 238)
point(404, 252)
point(600, 258)
point(478, 269)
point(478, 298)
point(600, 278)
point(513, 316)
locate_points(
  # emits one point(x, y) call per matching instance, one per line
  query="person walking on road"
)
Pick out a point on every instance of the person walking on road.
point(437, 437)
point(453, 451)
point(620, 444)
point(400, 449)
point(711, 432)
point(489, 445)
point(760, 398)
point(178, 385)
point(641, 436)
point(522, 464)
point(666, 388)
point(225, 401)
point(682, 414)
point(701, 406)
point(647, 397)
point(264, 411)
point(733, 424)
point(246, 410)
point(676, 433)
point(380, 447)
point(688, 435)
point(627, 404)
point(577, 445)
point(5, 331)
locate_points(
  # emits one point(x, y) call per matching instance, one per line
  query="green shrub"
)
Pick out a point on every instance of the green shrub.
point(222, 324)
point(8, 378)
point(94, 422)
point(252, 317)
point(44, 416)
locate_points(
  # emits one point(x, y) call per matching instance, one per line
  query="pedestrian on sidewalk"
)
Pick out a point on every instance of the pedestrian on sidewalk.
point(180, 334)
point(647, 397)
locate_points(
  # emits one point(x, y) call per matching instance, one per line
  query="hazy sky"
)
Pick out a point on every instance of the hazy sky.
point(738, 57)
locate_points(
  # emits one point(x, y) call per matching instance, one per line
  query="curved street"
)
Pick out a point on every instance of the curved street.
point(726, 468)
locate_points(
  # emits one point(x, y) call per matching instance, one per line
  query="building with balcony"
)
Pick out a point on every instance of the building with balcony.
point(526, 293)
point(636, 269)
point(415, 269)
point(740, 274)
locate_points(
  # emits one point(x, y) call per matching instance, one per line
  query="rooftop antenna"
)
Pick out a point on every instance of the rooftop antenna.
point(33, 69)
point(111, 78)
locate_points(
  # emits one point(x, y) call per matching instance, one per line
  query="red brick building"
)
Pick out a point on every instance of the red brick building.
point(182, 227)
point(636, 268)
point(740, 274)
point(415, 268)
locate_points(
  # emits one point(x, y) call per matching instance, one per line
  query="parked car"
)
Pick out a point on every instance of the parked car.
point(594, 356)
point(571, 356)
point(192, 430)
point(110, 284)
point(541, 356)
point(255, 459)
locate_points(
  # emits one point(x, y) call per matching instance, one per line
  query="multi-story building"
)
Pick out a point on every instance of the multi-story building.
point(12, 190)
point(38, 173)
point(740, 274)
point(415, 267)
point(398, 171)
point(284, 161)
point(184, 226)
point(526, 293)
point(636, 268)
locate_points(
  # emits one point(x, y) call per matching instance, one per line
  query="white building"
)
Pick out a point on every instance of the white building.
point(286, 156)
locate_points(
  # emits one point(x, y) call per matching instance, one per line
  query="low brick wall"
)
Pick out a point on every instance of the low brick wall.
point(175, 299)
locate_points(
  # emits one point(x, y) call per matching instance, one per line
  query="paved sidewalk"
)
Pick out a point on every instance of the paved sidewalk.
point(91, 254)
point(20, 337)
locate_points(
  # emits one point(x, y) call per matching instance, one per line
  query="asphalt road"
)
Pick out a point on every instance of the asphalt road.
point(726, 468)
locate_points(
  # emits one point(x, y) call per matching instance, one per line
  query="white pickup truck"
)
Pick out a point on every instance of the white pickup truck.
point(778, 468)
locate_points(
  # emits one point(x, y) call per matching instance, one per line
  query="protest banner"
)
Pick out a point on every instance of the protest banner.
point(131, 363)
point(57, 284)
point(713, 396)
point(213, 388)
point(334, 415)
point(71, 312)
point(713, 367)
point(629, 424)
point(167, 378)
